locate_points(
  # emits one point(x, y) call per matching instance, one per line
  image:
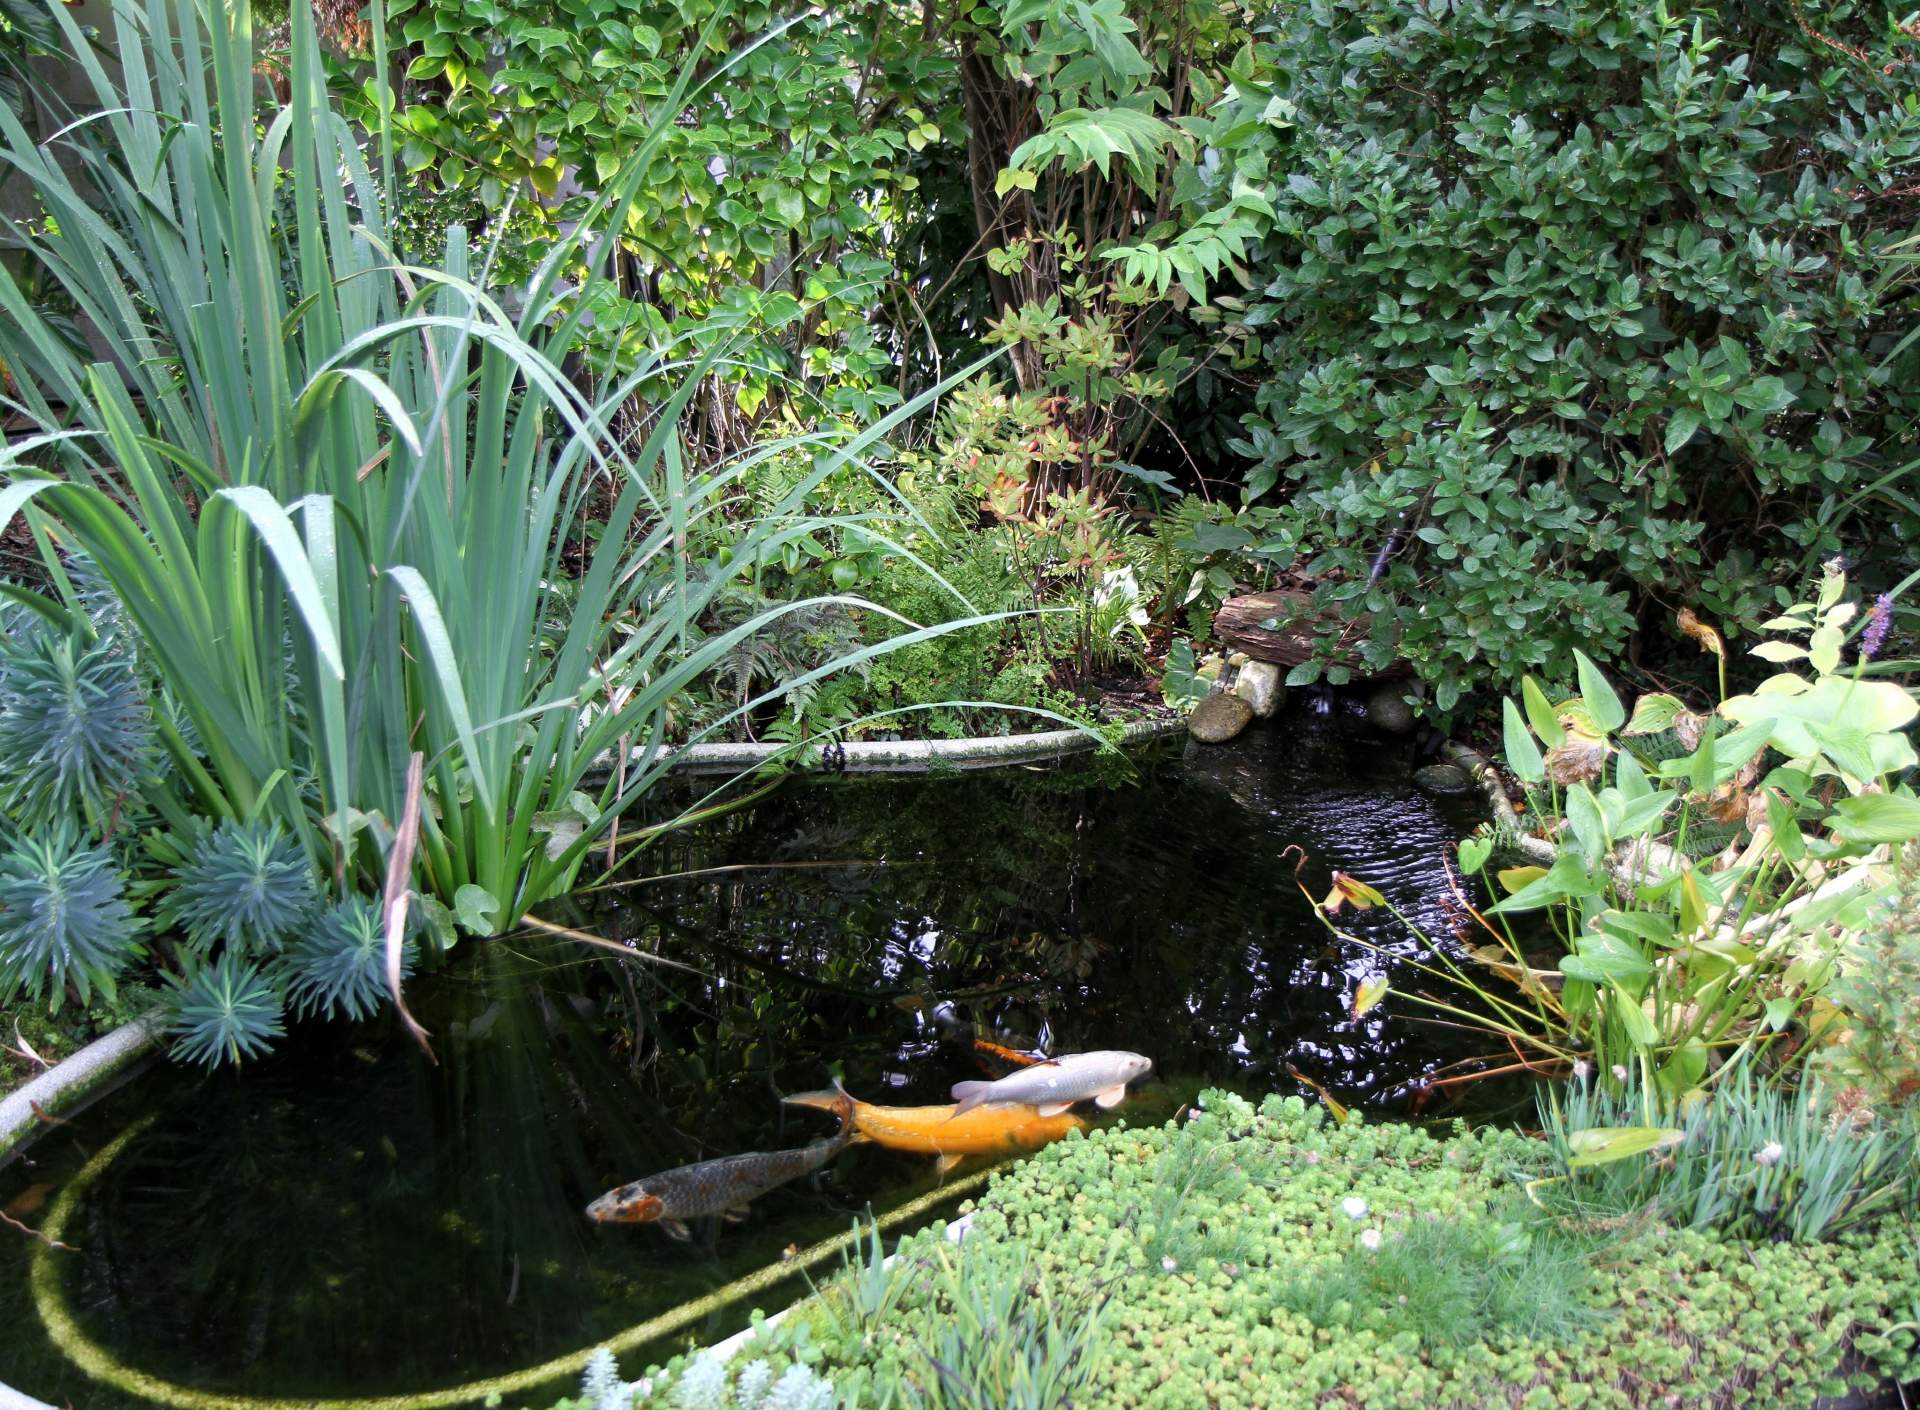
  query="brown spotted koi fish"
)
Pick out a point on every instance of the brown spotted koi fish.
point(724, 1187)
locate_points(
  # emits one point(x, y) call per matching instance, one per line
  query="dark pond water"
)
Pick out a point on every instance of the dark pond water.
point(344, 1219)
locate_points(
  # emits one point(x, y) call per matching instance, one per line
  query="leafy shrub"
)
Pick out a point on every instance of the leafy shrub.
point(1583, 312)
point(64, 919)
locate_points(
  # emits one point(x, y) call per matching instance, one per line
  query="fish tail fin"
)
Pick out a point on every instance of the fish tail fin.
point(969, 1095)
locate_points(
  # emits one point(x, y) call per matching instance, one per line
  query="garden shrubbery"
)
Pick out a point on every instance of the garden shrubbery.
point(1590, 314)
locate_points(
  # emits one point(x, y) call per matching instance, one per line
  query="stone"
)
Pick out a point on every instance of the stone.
point(1388, 712)
point(1238, 659)
point(1260, 685)
point(1448, 780)
point(1219, 718)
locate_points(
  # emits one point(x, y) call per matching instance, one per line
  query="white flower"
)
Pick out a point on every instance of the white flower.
point(1619, 1072)
point(1582, 1069)
point(1769, 1154)
point(1354, 1206)
point(1370, 1238)
point(1167, 1264)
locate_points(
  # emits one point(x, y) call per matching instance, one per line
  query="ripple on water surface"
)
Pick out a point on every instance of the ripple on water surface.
point(344, 1219)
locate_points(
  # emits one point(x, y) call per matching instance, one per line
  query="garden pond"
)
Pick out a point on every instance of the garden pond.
point(344, 1220)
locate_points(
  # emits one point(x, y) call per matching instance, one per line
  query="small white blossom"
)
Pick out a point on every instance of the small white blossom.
point(1167, 1264)
point(1582, 1069)
point(1619, 1072)
point(1370, 1239)
point(1769, 1154)
point(1355, 1207)
point(1312, 1157)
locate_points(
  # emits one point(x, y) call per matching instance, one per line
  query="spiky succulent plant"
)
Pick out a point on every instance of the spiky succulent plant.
point(225, 1011)
point(63, 918)
point(337, 968)
point(75, 728)
point(246, 884)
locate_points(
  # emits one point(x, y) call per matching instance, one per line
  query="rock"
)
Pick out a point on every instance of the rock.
point(1238, 659)
point(1260, 685)
point(1219, 718)
point(1449, 780)
point(1210, 669)
point(1387, 712)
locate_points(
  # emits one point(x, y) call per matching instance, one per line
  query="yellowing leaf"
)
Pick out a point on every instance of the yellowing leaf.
point(1350, 891)
point(1370, 992)
point(1513, 878)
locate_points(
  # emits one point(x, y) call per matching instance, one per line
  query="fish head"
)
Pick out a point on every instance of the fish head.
point(1134, 1065)
point(628, 1204)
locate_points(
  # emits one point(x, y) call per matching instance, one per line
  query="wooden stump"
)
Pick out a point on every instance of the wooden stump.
point(1280, 627)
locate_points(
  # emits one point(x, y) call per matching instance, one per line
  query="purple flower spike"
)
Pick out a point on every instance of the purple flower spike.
point(1877, 623)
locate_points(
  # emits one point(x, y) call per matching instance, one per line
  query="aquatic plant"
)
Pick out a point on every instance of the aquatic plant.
point(704, 1384)
point(244, 885)
point(224, 1011)
point(75, 727)
point(1696, 880)
point(64, 919)
point(1007, 1339)
point(1453, 1280)
point(1748, 1159)
point(1679, 1316)
point(337, 968)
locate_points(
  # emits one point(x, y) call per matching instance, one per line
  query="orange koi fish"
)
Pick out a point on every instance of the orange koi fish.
point(943, 1130)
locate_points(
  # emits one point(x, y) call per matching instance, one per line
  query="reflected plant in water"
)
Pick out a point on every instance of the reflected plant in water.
point(224, 1012)
point(337, 968)
point(64, 921)
point(245, 885)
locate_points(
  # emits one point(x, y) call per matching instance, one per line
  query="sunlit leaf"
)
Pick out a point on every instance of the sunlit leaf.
point(1601, 1145)
point(1370, 992)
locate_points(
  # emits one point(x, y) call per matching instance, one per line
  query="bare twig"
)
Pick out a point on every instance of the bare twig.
point(34, 1233)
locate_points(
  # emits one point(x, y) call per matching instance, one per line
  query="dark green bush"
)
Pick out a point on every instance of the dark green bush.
point(1590, 302)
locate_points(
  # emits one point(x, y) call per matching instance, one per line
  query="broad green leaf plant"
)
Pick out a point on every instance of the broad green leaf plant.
point(1693, 880)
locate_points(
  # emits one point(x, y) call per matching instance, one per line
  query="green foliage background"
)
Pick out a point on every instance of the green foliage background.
point(1597, 304)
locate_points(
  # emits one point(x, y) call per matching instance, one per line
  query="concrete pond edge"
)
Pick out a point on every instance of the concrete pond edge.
point(62, 1089)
